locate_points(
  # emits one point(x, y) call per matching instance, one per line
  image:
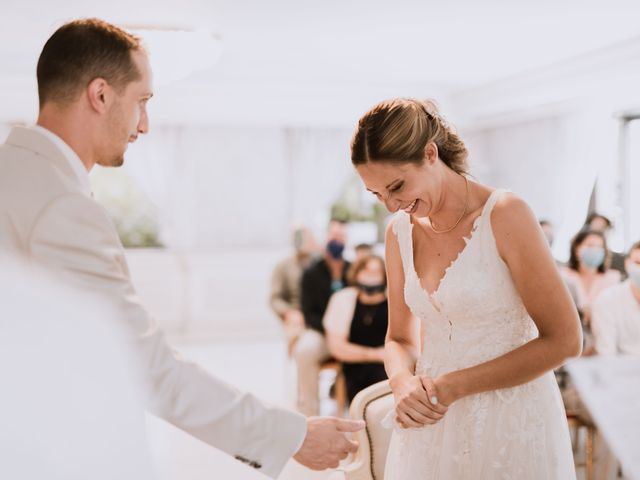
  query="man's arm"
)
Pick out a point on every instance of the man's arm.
point(74, 237)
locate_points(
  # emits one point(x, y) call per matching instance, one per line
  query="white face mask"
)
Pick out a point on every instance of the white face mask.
point(634, 274)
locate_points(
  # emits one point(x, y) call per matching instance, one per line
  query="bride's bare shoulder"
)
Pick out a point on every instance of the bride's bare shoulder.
point(514, 224)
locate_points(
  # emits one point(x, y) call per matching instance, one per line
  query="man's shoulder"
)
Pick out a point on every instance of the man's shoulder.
point(31, 187)
point(23, 168)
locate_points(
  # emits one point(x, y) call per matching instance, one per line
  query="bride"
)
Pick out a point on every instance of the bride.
point(470, 271)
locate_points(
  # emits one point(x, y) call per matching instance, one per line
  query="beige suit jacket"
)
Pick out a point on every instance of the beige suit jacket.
point(48, 216)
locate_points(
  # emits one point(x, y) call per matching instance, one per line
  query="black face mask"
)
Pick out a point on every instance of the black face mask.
point(335, 249)
point(372, 289)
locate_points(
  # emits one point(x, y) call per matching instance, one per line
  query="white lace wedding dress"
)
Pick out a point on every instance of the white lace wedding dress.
point(476, 315)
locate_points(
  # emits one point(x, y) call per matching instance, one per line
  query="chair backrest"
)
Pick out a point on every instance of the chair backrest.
point(371, 404)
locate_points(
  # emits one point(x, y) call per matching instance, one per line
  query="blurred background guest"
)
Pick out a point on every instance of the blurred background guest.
point(324, 277)
point(363, 250)
point(616, 312)
point(587, 275)
point(356, 323)
point(602, 224)
point(285, 285)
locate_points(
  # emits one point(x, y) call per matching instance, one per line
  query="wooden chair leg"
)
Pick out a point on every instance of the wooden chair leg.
point(574, 430)
point(589, 452)
point(341, 394)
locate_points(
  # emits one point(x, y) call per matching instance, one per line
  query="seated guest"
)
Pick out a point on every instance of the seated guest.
point(363, 250)
point(587, 275)
point(285, 285)
point(600, 223)
point(356, 324)
point(324, 277)
point(616, 312)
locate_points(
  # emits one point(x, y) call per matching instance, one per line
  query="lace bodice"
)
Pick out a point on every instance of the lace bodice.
point(476, 313)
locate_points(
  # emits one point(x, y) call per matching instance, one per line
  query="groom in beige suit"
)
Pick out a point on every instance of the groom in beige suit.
point(94, 82)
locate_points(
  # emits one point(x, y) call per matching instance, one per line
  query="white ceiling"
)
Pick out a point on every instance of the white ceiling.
point(296, 62)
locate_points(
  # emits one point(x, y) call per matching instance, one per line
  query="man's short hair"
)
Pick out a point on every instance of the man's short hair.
point(81, 51)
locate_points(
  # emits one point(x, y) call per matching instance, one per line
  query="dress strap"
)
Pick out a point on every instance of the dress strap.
point(491, 201)
point(402, 227)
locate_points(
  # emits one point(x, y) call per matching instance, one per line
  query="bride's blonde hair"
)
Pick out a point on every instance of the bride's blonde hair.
point(398, 131)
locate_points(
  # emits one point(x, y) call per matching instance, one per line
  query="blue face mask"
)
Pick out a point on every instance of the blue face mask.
point(335, 249)
point(592, 257)
point(634, 274)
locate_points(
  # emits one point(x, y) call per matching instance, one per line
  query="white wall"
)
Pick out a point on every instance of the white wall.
point(216, 293)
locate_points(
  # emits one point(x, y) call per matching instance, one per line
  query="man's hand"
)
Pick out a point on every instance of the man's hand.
point(326, 442)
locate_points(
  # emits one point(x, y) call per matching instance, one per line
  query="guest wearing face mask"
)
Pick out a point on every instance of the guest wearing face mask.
point(616, 312)
point(587, 275)
point(356, 323)
point(324, 277)
point(599, 223)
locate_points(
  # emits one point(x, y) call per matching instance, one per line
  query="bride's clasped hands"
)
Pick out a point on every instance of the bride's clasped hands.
point(419, 399)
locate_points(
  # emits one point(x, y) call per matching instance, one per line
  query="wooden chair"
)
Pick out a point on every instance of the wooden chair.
point(370, 405)
point(575, 424)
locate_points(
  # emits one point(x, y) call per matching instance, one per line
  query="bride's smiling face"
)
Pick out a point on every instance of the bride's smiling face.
point(414, 188)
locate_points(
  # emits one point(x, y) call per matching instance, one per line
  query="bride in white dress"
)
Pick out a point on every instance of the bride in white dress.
point(479, 315)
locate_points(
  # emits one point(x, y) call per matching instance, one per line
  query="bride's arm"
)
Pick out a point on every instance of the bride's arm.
point(402, 346)
point(522, 246)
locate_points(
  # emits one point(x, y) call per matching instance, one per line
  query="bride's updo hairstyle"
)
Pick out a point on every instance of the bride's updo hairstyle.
point(397, 131)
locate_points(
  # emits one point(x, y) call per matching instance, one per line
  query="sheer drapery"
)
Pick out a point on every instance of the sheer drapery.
point(223, 187)
point(552, 163)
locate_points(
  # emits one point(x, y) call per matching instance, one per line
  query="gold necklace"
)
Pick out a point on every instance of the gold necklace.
point(466, 204)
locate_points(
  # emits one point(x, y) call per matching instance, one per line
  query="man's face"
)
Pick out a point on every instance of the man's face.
point(127, 117)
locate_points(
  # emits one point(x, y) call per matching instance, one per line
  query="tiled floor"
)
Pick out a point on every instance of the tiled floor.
point(259, 366)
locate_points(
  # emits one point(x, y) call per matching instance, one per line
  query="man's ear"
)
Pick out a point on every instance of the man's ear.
point(99, 94)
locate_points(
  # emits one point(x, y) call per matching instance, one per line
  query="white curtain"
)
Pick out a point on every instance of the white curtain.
point(234, 187)
point(320, 164)
point(551, 162)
